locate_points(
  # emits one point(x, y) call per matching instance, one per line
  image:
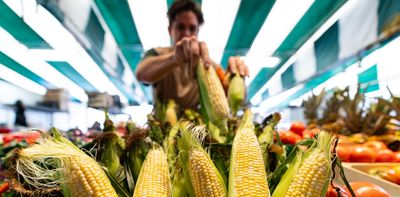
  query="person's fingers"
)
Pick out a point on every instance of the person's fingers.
point(178, 53)
point(186, 49)
point(232, 65)
point(205, 55)
point(194, 49)
point(240, 66)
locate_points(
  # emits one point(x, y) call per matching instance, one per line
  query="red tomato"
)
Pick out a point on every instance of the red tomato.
point(4, 187)
point(397, 156)
point(385, 156)
point(333, 193)
point(365, 189)
point(362, 154)
point(343, 152)
point(7, 139)
point(289, 137)
point(310, 133)
point(298, 127)
point(391, 175)
point(376, 145)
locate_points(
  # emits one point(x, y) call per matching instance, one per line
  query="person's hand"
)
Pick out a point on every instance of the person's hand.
point(205, 55)
point(187, 50)
point(236, 65)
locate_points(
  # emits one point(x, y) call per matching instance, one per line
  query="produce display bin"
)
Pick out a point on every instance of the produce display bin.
point(356, 172)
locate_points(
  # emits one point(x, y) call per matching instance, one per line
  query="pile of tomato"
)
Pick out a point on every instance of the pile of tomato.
point(361, 189)
point(369, 152)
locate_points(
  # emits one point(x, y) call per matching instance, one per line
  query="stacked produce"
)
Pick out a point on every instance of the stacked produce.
point(368, 133)
point(212, 152)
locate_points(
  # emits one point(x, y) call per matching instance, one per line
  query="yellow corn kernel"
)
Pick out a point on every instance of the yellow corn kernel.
point(247, 175)
point(211, 88)
point(88, 179)
point(206, 180)
point(311, 177)
point(154, 176)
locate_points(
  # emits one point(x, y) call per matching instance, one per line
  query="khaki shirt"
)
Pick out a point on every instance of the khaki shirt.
point(180, 84)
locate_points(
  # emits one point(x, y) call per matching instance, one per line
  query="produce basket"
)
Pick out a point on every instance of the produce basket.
point(358, 172)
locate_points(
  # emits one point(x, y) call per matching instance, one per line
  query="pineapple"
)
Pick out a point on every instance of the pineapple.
point(330, 118)
point(311, 106)
point(353, 109)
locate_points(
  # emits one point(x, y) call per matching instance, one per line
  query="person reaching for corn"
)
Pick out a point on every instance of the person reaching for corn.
point(172, 70)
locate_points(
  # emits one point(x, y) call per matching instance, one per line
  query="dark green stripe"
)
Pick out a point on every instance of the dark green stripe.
point(248, 22)
point(313, 19)
point(265, 94)
point(387, 11)
point(369, 79)
point(12, 23)
point(71, 73)
point(287, 77)
point(94, 31)
point(119, 19)
point(327, 48)
point(10, 63)
point(318, 13)
point(335, 69)
point(52, 7)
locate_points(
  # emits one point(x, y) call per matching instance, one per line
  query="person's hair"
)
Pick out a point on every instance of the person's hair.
point(180, 6)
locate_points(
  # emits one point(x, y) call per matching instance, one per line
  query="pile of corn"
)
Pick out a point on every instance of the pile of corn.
point(179, 156)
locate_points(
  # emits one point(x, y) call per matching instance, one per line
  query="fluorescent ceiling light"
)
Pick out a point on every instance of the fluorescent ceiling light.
point(151, 22)
point(219, 17)
point(256, 63)
point(284, 15)
point(20, 81)
point(52, 31)
point(19, 53)
point(309, 43)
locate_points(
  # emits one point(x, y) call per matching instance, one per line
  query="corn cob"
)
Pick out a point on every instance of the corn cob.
point(204, 176)
point(213, 97)
point(247, 175)
point(236, 93)
point(313, 171)
point(171, 115)
point(77, 173)
point(154, 176)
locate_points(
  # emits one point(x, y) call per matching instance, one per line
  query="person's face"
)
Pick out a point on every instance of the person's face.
point(184, 25)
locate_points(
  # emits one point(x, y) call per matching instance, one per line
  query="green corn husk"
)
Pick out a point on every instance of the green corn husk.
point(322, 146)
point(156, 130)
point(266, 138)
point(112, 147)
point(136, 151)
point(130, 127)
point(236, 93)
point(212, 98)
point(53, 162)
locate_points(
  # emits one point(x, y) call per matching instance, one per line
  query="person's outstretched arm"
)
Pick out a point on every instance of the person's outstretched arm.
point(154, 68)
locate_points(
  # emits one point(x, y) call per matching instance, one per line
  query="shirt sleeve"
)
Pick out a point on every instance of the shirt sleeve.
point(150, 53)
